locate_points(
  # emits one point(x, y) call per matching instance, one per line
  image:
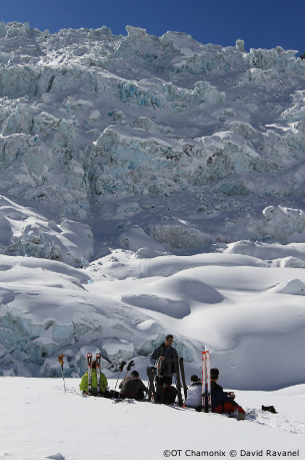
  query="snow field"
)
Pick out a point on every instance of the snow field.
point(39, 420)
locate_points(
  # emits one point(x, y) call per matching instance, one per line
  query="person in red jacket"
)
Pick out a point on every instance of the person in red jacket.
point(223, 402)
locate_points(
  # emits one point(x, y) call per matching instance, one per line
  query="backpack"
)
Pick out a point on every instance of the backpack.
point(169, 394)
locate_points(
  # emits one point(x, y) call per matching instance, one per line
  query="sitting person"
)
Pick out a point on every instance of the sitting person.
point(223, 402)
point(194, 394)
point(169, 393)
point(84, 382)
point(133, 387)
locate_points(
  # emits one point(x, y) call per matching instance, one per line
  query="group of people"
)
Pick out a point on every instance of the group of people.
point(222, 401)
point(131, 387)
point(163, 360)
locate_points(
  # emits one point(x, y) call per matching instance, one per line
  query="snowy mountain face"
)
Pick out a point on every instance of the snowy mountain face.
point(122, 159)
point(166, 134)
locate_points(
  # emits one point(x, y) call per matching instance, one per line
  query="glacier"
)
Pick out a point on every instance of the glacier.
point(132, 156)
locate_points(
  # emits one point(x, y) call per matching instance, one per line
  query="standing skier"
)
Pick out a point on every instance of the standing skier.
point(164, 359)
point(223, 402)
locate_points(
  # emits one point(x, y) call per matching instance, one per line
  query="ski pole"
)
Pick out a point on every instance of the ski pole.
point(158, 365)
point(61, 362)
point(120, 370)
point(129, 366)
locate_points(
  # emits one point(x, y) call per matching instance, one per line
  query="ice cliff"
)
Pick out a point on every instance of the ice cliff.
point(88, 117)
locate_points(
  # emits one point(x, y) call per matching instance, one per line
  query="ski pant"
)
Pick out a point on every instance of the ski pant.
point(138, 396)
point(106, 394)
point(228, 408)
point(159, 386)
point(110, 394)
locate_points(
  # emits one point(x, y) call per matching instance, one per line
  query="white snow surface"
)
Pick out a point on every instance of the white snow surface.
point(39, 420)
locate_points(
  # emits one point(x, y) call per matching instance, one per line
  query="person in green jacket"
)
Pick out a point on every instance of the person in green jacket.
point(84, 383)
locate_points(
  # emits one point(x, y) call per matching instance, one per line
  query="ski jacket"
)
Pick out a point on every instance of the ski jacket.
point(130, 386)
point(168, 364)
point(219, 396)
point(194, 395)
point(84, 382)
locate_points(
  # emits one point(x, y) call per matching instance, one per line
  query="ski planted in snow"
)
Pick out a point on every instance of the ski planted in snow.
point(181, 363)
point(98, 373)
point(208, 363)
point(121, 367)
point(177, 368)
point(206, 381)
point(89, 367)
point(151, 372)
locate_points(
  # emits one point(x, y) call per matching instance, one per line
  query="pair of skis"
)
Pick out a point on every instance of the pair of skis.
point(98, 373)
point(206, 381)
point(180, 377)
point(151, 372)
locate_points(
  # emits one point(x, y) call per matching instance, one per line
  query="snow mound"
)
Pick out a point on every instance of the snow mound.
point(29, 234)
point(288, 255)
point(182, 291)
point(282, 221)
point(135, 238)
point(174, 308)
point(292, 262)
point(148, 253)
point(295, 287)
point(190, 288)
point(179, 235)
point(116, 349)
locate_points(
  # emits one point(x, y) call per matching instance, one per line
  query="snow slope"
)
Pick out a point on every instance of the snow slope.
point(39, 420)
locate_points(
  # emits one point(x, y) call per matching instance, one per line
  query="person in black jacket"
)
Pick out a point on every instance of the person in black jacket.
point(164, 359)
point(133, 387)
point(222, 401)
